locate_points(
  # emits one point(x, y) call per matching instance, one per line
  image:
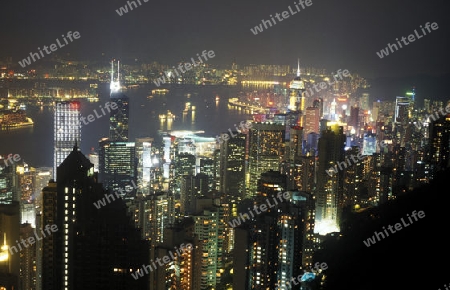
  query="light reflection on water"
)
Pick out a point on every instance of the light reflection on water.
point(206, 112)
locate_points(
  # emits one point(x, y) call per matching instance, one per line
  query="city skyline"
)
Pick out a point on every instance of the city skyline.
point(234, 145)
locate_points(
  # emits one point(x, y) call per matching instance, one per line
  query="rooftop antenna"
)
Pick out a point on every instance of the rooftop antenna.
point(112, 71)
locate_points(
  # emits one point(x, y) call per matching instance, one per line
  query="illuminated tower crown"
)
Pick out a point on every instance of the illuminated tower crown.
point(115, 86)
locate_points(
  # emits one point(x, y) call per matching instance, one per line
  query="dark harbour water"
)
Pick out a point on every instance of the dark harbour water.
point(35, 144)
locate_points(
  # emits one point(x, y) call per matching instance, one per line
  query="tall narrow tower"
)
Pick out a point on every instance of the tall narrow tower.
point(67, 131)
point(118, 118)
point(296, 98)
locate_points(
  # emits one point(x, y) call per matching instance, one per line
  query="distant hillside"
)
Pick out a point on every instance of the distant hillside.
point(433, 87)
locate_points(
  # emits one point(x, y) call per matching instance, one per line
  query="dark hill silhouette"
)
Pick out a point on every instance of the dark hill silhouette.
point(415, 257)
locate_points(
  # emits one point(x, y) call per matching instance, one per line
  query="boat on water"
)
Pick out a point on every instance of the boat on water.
point(10, 125)
point(160, 91)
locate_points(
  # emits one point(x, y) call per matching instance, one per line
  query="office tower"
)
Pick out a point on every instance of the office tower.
point(332, 115)
point(26, 186)
point(364, 102)
point(427, 105)
point(295, 143)
point(312, 119)
point(118, 118)
point(292, 155)
point(232, 165)
point(185, 164)
point(154, 213)
point(144, 164)
point(354, 195)
point(27, 259)
point(241, 257)
point(117, 165)
point(323, 124)
point(273, 248)
point(183, 270)
point(192, 188)
point(207, 167)
point(375, 110)
point(93, 248)
point(440, 144)
point(318, 103)
point(354, 118)
point(296, 98)
point(229, 205)
point(209, 228)
point(266, 151)
point(43, 176)
point(217, 166)
point(10, 250)
point(401, 109)
point(303, 174)
point(304, 203)
point(369, 144)
point(411, 95)
point(46, 271)
point(329, 179)
point(67, 130)
point(312, 139)
point(9, 190)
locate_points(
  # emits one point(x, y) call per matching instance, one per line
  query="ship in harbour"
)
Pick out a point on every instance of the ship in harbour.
point(14, 119)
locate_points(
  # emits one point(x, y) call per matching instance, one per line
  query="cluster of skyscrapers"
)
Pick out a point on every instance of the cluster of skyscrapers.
point(181, 188)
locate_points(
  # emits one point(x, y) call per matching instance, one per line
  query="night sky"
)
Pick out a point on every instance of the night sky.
point(342, 34)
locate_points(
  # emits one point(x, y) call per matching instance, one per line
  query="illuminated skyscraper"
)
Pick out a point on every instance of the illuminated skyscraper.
point(118, 118)
point(296, 98)
point(266, 151)
point(67, 131)
point(312, 120)
point(440, 143)
point(144, 164)
point(232, 165)
point(276, 245)
point(117, 165)
point(9, 190)
point(9, 255)
point(210, 230)
point(330, 182)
